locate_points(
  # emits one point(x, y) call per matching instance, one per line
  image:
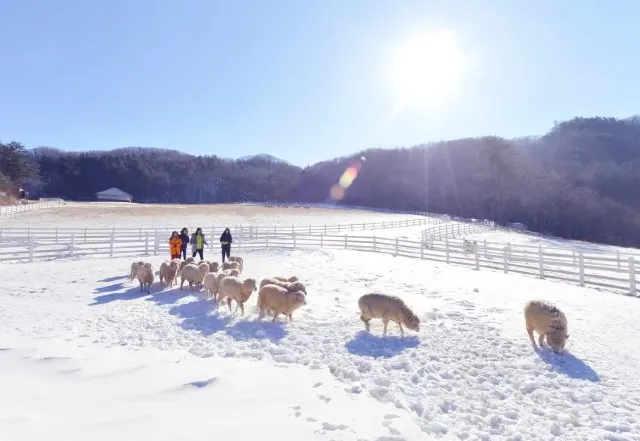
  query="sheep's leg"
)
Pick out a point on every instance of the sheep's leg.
point(386, 323)
point(140, 286)
point(290, 317)
point(182, 283)
point(241, 308)
point(275, 316)
point(401, 330)
point(541, 340)
point(229, 303)
point(366, 322)
point(261, 313)
point(530, 332)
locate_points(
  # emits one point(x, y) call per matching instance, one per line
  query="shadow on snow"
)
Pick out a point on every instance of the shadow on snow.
point(568, 364)
point(202, 316)
point(377, 346)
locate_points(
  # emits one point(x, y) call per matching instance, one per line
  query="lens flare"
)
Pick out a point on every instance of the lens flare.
point(338, 191)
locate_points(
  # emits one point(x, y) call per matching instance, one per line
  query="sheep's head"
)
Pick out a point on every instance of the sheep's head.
point(557, 340)
point(292, 279)
point(213, 267)
point(297, 286)
point(297, 299)
point(174, 264)
point(250, 285)
point(412, 321)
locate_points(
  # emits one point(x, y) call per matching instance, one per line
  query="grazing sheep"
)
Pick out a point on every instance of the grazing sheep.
point(213, 267)
point(194, 274)
point(145, 275)
point(232, 288)
point(134, 270)
point(287, 279)
point(292, 287)
point(548, 321)
point(168, 271)
point(280, 301)
point(184, 263)
point(387, 308)
point(231, 265)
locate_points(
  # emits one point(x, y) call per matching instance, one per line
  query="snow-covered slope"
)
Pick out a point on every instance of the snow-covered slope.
point(470, 373)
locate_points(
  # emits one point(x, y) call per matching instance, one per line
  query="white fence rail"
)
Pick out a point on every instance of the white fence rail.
point(612, 271)
point(84, 235)
point(448, 230)
point(8, 210)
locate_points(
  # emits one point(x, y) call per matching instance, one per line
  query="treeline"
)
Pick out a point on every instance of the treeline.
point(578, 181)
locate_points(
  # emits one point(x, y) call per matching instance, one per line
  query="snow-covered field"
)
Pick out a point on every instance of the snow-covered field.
point(122, 215)
point(85, 355)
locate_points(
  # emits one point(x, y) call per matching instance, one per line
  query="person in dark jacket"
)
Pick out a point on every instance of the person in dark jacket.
point(184, 235)
point(225, 241)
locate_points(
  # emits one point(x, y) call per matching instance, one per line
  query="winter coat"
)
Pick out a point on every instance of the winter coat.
point(175, 243)
point(194, 241)
point(185, 240)
point(226, 237)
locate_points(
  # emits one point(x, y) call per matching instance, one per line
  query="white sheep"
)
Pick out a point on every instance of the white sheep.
point(134, 270)
point(548, 321)
point(290, 286)
point(145, 275)
point(279, 300)
point(210, 284)
point(387, 308)
point(213, 267)
point(184, 263)
point(233, 272)
point(194, 274)
point(287, 279)
point(232, 288)
point(238, 259)
point(231, 265)
point(168, 271)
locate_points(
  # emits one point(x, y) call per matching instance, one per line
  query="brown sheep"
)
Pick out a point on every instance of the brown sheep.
point(232, 288)
point(291, 286)
point(548, 321)
point(280, 301)
point(387, 308)
point(213, 267)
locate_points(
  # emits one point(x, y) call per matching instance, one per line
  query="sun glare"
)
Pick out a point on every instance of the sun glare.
point(426, 70)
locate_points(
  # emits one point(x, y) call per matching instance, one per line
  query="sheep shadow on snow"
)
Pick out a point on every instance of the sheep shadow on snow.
point(113, 279)
point(568, 364)
point(379, 346)
point(203, 316)
point(130, 294)
point(168, 296)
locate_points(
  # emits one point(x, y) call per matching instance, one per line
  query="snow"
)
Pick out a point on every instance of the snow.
point(137, 361)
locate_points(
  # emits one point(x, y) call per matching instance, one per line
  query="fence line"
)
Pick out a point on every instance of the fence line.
point(8, 210)
point(450, 230)
point(613, 272)
point(43, 234)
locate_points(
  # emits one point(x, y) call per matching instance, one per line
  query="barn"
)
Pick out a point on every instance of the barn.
point(114, 194)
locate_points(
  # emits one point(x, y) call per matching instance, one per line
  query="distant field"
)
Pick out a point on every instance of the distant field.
point(176, 216)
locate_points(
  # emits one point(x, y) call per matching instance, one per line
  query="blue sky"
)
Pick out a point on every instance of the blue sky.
point(300, 79)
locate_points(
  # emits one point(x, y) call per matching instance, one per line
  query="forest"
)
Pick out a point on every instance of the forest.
point(577, 181)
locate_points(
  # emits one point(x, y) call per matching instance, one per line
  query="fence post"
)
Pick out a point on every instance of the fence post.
point(509, 249)
point(146, 244)
point(293, 231)
point(363, 226)
point(618, 258)
point(309, 230)
point(421, 250)
point(477, 256)
point(541, 261)
point(111, 243)
point(266, 239)
point(345, 241)
point(321, 240)
point(29, 231)
point(396, 245)
point(374, 243)
point(85, 235)
point(73, 236)
point(446, 247)
point(581, 267)
point(31, 249)
point(485, 249)
point(632, 275)
point(56, 235)
point(505, 260)
point(294, 239)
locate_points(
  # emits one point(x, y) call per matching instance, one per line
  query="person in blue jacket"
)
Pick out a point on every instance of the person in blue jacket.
point(225, 241)
point(184, 235)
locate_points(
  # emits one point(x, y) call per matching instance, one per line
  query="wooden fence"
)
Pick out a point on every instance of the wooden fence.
point(610, 271)
point(8, 210)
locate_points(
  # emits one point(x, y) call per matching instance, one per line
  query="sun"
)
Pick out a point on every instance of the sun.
point(426, 70)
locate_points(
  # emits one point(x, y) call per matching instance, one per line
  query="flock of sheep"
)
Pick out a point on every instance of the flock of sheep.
point(284, 295)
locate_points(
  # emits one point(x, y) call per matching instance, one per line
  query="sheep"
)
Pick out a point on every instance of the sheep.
point(286, 279)
point(548, 321)
point(145, 275)
point(134, 270)
point(231, 265)
point(233, 272)
point(193, 274)
point(184, 263)
point(292, 287)
point(280, 301)
point(210, 284)
point(238, 259)
point(168, 271)
point(387, 308)
point(213, 267)
point(232, 288)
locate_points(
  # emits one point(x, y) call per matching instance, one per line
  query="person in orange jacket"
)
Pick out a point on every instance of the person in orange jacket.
point(175, 243)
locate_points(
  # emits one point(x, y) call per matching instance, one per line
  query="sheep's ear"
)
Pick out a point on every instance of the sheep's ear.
point(567, 337)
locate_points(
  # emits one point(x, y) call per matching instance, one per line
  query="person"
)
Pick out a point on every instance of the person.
point(197, 243)
point(175, 243)
point(184, 235)
point(225, 241)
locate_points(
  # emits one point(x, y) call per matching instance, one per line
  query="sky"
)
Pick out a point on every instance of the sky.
point(305, 80)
